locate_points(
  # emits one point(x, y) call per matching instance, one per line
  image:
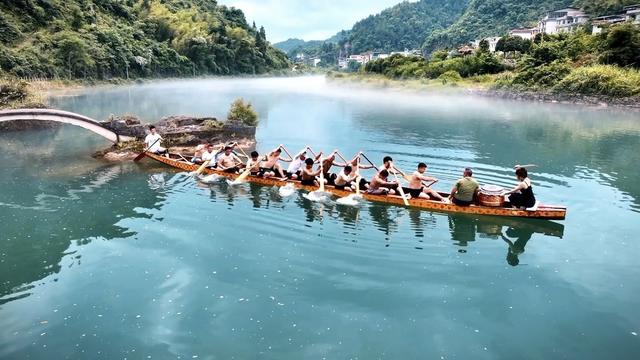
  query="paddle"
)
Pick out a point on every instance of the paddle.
point(321, 176)
point(358, 177)
point(404, 199)
point(202, 167)
point(144, 152)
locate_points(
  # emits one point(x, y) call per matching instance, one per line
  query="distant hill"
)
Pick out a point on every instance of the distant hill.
point(435, 24)
point(116, 38)
point(483, 18)
point(405, 25)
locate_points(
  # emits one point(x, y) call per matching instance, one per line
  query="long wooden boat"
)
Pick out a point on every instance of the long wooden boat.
point(543, 211)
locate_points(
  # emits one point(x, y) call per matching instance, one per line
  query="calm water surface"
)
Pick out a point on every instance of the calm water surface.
point(114, 261)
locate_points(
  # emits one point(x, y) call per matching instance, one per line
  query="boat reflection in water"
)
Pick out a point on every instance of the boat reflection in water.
point(391, 221)
point(515, 232)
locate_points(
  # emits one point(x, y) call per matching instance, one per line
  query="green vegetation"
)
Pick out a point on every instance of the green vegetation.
point(398, 66)
point(17, 94)
point(579, 63)
point(103, 39)
point(243, 111)
point(405, 25)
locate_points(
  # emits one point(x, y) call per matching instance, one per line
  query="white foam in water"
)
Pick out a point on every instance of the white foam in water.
point(318, 196)
point(287, 190)
point(209, 179)
point(350, 200)
point(234, 182)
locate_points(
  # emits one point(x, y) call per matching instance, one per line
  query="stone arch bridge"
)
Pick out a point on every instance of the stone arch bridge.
point(64, 117)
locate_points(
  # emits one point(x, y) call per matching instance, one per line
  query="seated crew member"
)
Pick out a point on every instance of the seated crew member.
point(379, 185)
point(253, 164)
point(327, 163)
point(153, 142)
point(416, 189)
point(271, 162)
point(465, 190)
point(228, 161)
point(307, 175)
point(197, 156)
point(293, 171)
point(522, 196)
point(344, 180)
point(208, 154)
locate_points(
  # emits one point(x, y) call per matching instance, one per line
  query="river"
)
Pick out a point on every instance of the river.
point(115, 261)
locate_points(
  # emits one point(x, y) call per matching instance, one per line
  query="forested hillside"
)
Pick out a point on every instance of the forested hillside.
point(405, 26)
point(484, 18)
point(130, 38)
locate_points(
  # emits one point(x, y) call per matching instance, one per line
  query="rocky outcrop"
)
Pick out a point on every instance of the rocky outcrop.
point(182, 130)
point(181, 133)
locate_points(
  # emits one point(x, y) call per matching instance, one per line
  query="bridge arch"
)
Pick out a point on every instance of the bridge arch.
point(64, 117)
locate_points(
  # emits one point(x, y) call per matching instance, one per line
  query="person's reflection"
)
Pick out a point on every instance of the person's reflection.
point(312, 211)
point(255, 191)
point(462, 229)
point(381, 217)
point(516, 248)
point(348, 214)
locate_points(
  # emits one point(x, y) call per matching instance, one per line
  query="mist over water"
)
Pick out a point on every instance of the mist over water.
point(103, 260)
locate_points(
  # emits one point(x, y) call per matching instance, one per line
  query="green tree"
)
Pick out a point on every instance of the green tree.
point(622, 46)
point(243, 111)
point(72, 52)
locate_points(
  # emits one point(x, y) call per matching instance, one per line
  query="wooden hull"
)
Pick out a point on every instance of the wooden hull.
point(551, 212)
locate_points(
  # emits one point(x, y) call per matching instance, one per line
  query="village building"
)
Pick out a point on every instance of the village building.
point(492, 41)
point(563, 20)
point(527, 34)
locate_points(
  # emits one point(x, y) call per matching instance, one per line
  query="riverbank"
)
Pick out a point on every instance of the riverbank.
point(483, 85)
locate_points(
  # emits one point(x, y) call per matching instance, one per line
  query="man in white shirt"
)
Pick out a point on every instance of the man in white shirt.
point(152, 142)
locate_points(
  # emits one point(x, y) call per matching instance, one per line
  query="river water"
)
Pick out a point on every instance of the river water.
point(115, 261)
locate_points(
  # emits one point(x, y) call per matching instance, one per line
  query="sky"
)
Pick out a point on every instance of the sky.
point(307, 20)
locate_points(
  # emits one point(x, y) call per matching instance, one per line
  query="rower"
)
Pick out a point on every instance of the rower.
point(228, 161)
point(344, 180)
point(253, 164)
point(153, 142)
point(208, 155)
point(465, 190)
point(416, 188)
point(308, 176)
point(327, 163)
point(271, 162)
point(197, 156)
point(379, 185)
point(294, 169)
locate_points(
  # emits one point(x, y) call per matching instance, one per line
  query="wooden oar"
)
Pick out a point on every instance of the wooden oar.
point(321, 176)
point(242, 176)
point(286, 151)
point(358, 177)
point(525, 166)
point(144, 152)
point(404, 199)
point(202, 167)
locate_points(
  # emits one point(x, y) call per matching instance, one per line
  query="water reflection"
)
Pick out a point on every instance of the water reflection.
point(79, 214)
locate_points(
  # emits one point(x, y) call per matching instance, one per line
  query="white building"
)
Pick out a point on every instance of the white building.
point(602, 21)
point(493, 42)
point(563, 20)
point(632, 13)
point(527, 34)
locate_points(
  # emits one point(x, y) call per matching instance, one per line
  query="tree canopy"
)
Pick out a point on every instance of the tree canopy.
point(114, 38)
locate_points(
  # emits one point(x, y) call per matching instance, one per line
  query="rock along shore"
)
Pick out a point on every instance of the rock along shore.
point(180, 134)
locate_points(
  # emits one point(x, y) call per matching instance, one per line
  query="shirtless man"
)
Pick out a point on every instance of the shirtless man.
point(379, 185)
point(228, 161)
point(271, 162)
point(344, 180)
point(308, 176)
point(327, 163)
point(416, 189)
point(253, 164)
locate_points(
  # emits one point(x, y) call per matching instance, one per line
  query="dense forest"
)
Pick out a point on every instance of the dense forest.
point(102, 39)
point(605, 64)
point(404, 26)
point(437, 24)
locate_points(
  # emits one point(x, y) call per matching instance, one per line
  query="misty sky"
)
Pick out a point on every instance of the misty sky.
point(308, 20)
